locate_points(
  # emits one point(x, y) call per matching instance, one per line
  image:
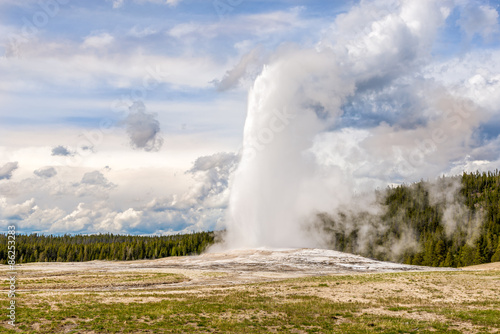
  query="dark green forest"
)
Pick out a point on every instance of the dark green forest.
point(49, 248)
point(452, 222)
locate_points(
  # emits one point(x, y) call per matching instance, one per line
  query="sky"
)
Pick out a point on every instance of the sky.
point(128, 116)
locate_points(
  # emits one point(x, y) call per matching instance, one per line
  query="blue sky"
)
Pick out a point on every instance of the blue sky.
point(138, 90)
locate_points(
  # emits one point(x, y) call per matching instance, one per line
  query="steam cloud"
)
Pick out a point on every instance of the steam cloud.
point(304, 151)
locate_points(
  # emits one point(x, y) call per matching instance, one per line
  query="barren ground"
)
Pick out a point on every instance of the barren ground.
point(247, 291)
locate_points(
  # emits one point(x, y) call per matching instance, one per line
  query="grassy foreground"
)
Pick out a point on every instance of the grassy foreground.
point(129, 302)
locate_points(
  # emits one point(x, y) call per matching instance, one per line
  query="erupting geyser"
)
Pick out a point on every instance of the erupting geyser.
point(290, 102)
point(378, 50)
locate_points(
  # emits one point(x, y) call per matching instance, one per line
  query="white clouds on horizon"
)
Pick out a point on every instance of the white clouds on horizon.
point(92, 212)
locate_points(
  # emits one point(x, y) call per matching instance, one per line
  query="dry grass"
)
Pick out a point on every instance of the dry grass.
point(197, 301)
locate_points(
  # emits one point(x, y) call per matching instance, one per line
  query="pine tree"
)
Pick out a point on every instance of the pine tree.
point(496, 255)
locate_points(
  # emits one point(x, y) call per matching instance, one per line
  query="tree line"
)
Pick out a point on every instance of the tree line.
point(50, 248)
point(451, 222)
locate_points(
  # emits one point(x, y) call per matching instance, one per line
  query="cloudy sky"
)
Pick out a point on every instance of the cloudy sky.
point(127, 116)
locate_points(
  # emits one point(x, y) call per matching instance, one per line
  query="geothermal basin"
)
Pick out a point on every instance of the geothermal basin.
point(225, 268)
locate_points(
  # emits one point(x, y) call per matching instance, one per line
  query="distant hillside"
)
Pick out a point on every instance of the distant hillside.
point(453, 222)
point(35, 247)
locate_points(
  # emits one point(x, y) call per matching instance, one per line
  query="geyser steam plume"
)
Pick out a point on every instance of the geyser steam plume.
point(287, 107)
point(279, 184)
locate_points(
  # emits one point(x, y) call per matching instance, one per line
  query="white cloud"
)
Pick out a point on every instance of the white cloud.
point(7, 170)
point(46, 172)
point(212, 175)
point(250, 65)
point(98, 41)
point(481, 20)
point(95, 178)
point(360, 100)
point(262, 26)
point(130, 218)
point(172, 3)
point(143, 128)
point(183, 29)
point(117, 3)
point(61, 150)
point(395, 90)
point(129, 69)
point(117, 199)
point(476, 75)
point(18, 211)
point(142, 32)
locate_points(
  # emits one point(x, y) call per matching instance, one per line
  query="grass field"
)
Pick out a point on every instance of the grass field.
point(132, 302)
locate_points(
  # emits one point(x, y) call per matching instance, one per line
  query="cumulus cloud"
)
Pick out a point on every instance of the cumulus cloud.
point(61, 151)
point(45, 172)
point(202, 207)
point(95, 178)
point(222, 161)
point(90, 206)
point(81, 218)
point(18, 211)
point(143, 128)
point(212, 174)
point(129, 220)
point(7, 170)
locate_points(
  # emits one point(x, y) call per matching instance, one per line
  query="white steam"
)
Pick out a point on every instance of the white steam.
point(287, 107)
point(301, 156)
